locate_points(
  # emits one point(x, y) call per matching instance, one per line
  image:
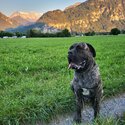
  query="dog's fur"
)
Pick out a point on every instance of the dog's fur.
point(87, 82)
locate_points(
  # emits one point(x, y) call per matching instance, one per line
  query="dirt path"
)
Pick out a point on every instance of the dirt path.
point(111, 107)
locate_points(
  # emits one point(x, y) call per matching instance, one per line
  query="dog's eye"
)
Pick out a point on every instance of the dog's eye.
point(78, 47)
point(71, 47)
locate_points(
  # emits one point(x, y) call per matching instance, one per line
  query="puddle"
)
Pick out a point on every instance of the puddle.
point(110, 107)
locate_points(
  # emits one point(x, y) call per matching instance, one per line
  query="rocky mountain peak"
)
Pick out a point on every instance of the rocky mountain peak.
point(6, 22)
point(73, 6)
point(29, 16)
point(92, 15)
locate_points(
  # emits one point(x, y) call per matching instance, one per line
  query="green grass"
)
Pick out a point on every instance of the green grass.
point(107, 121)
point(35, 81)
point(103, 121)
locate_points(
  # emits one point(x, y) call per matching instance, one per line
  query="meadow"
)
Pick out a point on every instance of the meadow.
point(35, 80)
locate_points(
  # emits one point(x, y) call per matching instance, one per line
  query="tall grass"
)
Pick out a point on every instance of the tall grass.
point(35, 81)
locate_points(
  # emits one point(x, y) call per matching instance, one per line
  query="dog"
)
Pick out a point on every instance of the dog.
point(86, 83)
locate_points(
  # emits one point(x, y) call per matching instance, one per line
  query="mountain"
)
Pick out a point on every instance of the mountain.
point(21, 20)
point(18, 19)
point(73, 6)
point(92, 15)
point(25, 18)
point(6, 22)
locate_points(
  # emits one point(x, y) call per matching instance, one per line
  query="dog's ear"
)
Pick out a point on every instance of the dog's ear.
point(92, 50)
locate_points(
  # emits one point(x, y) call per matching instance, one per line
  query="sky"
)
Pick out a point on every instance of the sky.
point(9, 6)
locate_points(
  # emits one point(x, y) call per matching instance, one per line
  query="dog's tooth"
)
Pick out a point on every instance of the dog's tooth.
point(80, 63)
point(79, 67)
point(69, 66)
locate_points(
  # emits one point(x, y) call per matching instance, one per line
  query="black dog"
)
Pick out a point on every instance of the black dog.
point(87, 82)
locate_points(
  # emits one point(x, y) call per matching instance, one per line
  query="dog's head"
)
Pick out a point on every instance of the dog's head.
point(81, 56)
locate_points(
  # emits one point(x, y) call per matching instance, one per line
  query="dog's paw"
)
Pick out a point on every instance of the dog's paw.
point(77, 118)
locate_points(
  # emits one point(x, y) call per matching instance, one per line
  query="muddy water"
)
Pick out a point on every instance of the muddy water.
point(111, 107)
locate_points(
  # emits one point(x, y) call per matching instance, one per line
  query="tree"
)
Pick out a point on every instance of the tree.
point(123, 31)
point(3, 33)
point(18, 34)
point(90, 33)
point(9, 34)
point(66, 33)
point(30, 33)
point(59, 34)
point(115, 31)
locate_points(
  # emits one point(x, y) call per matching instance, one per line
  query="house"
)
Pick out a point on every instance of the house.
point(4, 37)
point(23, 37)
point(14, 37)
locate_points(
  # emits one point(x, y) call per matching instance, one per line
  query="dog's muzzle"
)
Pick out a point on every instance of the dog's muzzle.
point(77, 66)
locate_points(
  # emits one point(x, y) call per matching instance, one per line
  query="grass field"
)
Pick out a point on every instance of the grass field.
point(35, 81)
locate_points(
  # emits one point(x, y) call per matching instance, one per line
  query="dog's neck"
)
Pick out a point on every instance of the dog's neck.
point(88, 67)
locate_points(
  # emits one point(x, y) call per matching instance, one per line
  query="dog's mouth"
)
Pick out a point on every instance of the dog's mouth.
point(79, 66)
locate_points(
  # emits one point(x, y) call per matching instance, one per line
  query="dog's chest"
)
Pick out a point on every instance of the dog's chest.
point(86, 80)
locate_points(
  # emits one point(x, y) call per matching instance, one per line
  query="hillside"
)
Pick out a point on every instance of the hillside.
point(37, 26)
point(6, 22)
point(92, 15)
point(18, 19)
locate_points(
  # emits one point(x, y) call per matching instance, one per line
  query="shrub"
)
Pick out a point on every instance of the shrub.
point(90, 33)
point(123, 31)
point(115, 31)
point(66, 33)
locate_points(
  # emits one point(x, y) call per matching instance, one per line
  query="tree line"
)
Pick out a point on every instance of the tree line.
point(63, 33)
point(9, 34)
point(114, 31)
point(36, 33)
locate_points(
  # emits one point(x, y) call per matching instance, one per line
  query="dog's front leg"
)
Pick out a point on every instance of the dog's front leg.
point(79, 106)
point(96, 106)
